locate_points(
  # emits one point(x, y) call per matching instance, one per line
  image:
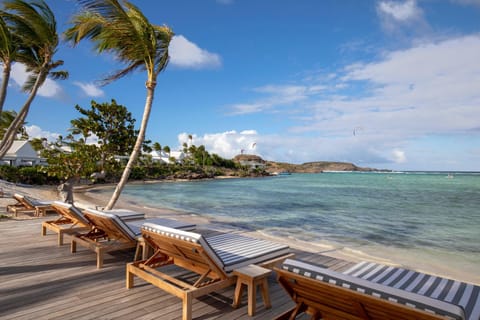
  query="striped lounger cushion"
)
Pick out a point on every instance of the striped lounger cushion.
point(459, 293)
point(374, 289)
point(229, 251)
point(133, 228)
point(126, 214)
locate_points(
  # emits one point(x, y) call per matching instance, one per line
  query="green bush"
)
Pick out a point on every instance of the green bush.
point(9, 173)
point(30, 175)
point(138, 173)
point(26, 175)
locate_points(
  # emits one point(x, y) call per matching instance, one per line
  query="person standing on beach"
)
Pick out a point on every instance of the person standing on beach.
point(65, 189)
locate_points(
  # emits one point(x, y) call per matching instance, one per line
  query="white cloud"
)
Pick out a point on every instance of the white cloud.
point(186, 54)
point(226, 144)
point(249, 132)
point(277, 95)
point(49, 89)
point(398, 17)
point(400, 11)
point(399, 156)
point(34, 131)
point(90, 89)
point(92, 139)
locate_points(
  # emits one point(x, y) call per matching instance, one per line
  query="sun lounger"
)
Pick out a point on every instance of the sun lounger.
point(73, 221)
point(326, 294)
point(27, 204)
point(111, 233)
point(213, 259)
point(465, 295)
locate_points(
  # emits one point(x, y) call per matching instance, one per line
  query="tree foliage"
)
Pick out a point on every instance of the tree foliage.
point(112, 124)
point(81, 162)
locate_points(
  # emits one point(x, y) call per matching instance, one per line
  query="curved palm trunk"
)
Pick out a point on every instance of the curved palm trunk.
point(12, 130)
point(7, 67)
point(136, 149)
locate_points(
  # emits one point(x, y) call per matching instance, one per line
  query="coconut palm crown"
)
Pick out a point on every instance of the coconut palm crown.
point(33, 36)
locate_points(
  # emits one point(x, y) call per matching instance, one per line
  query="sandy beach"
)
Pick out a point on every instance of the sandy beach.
point(87, 197)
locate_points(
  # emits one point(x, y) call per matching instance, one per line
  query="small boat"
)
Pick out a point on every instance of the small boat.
point(281, 173)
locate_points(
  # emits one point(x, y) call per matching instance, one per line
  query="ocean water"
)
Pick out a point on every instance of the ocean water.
point(417, 218)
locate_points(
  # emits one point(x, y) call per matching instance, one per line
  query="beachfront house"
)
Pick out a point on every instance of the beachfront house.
point(164, 157)
point(21, 153)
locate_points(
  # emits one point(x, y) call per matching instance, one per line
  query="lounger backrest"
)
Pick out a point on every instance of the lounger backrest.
point(346, 293)
point(71, 212)
point(187, 248)
point(22, 199)
point(111, 224)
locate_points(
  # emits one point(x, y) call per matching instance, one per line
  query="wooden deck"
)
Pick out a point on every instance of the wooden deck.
point(39, 280)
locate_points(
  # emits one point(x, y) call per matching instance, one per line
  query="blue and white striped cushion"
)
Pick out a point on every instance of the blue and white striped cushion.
point(172, 233)
point(114, 219)
point(74, 211)
point(125, 214)
point(459, 293)
point(235, 251)
point(374, 289)
point(229, 251)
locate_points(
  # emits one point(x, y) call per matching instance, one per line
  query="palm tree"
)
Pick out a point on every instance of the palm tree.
point(34, 25)
point(157, 146)
point(7, 55)
point(6, 118)
point(120, 28)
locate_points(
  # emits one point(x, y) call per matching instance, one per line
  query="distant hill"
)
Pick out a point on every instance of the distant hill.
point(313, 167)
point(308, 167)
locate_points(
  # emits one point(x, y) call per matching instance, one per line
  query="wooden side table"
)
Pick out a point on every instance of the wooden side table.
point(252, 276)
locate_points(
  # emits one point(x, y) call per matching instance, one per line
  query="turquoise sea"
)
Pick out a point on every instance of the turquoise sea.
point(430, 220)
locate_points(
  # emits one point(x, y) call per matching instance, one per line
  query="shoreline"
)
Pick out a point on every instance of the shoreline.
point(88, 196)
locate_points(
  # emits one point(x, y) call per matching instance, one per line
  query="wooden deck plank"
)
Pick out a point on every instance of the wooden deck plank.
point(43, 281)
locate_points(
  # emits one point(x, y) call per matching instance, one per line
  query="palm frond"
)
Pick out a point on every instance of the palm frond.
point(122, 30)
point(34, 21)
point(58, 75)
point(6, 40)
point(122, 73)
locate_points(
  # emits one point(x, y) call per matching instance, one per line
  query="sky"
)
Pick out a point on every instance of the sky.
point(382, 84)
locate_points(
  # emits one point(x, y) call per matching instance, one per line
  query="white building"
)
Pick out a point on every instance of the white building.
point(164, 157)
point(21, 153)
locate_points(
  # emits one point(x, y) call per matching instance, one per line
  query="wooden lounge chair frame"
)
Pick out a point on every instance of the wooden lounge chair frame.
point(322, 300)
point(186, 253)
point(109, 233)
point(19, 206)
point(24, 205)
point(71, 221)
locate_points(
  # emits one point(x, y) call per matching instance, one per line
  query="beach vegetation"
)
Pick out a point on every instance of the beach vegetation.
point(33, 37)
point(121, 29)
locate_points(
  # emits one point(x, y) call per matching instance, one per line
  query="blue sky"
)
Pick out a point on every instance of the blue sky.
point(384, 84)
